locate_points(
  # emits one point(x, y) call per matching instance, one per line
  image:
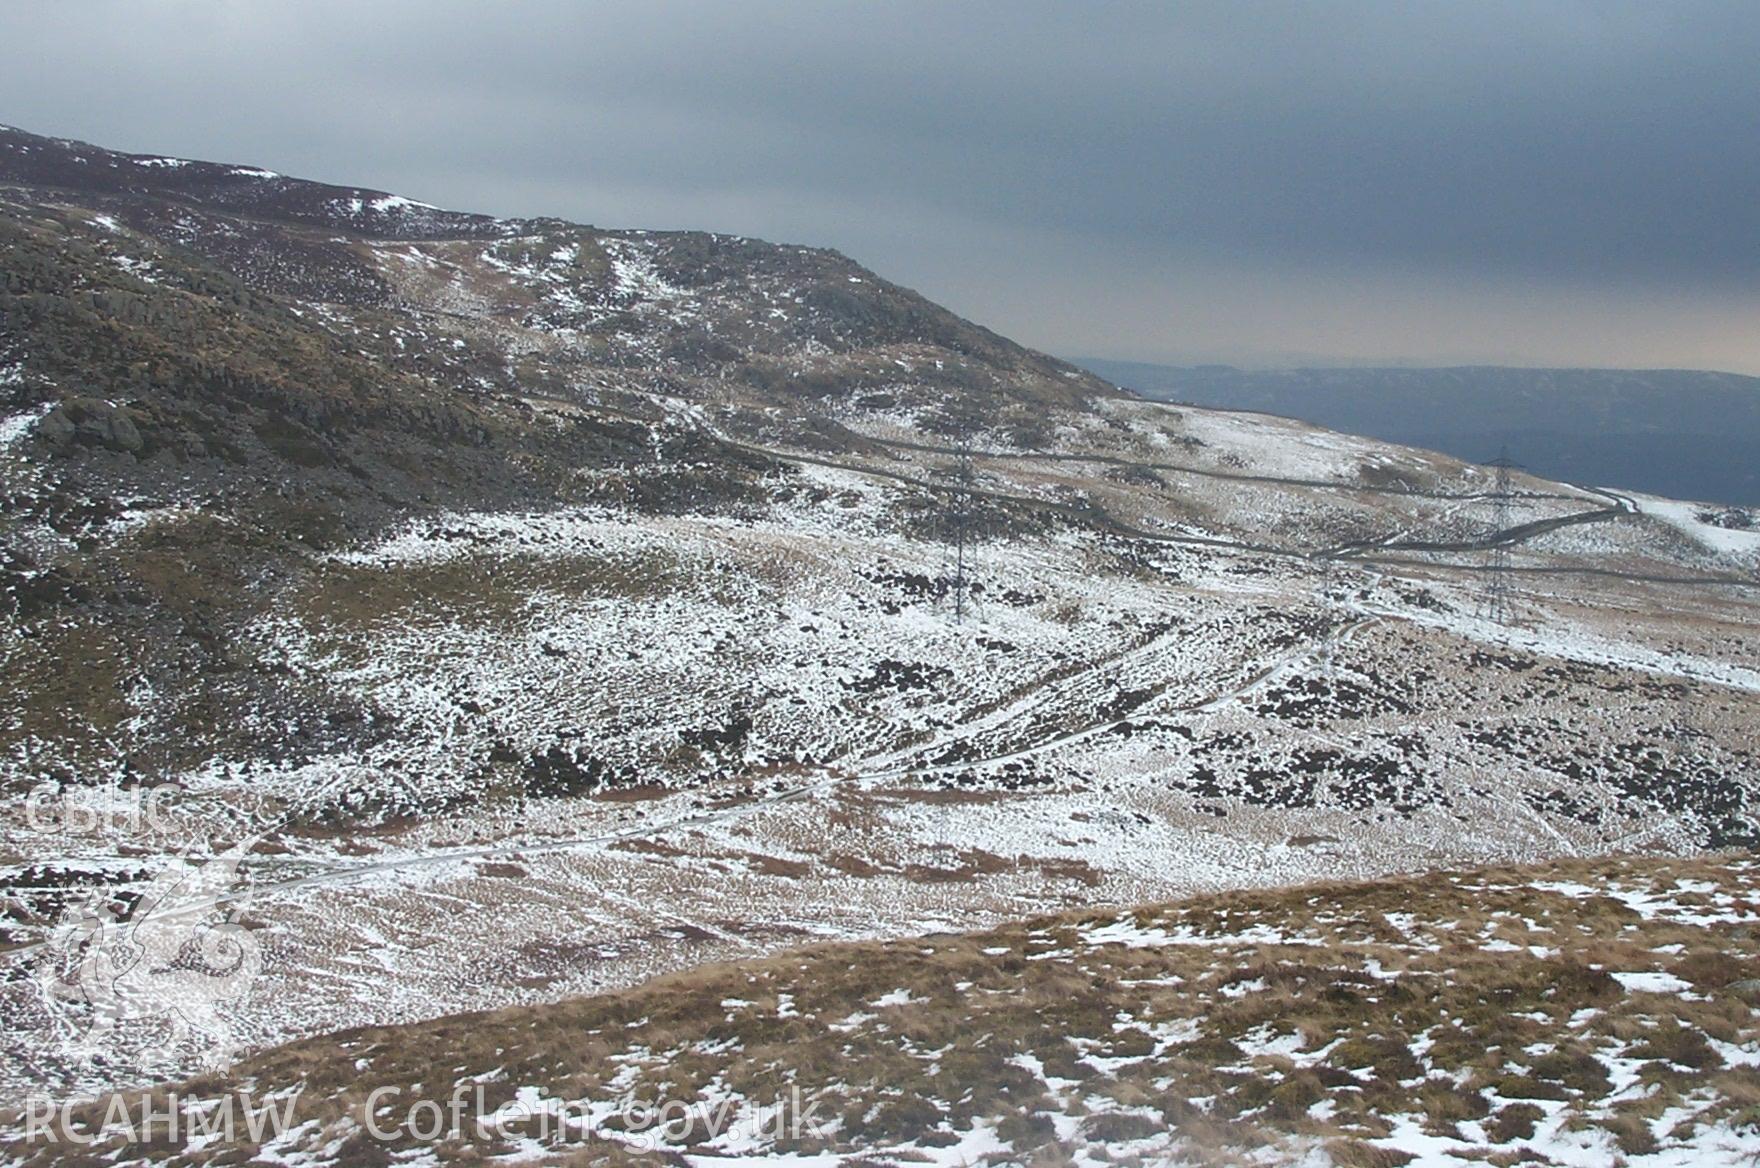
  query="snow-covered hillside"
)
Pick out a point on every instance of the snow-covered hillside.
point(537, 608)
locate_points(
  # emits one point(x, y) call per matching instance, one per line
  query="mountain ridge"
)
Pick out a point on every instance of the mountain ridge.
point(560, 607)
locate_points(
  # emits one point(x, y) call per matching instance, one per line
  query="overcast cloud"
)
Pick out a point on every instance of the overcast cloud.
point(1539, 181)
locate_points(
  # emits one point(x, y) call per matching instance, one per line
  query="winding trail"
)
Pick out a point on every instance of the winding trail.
point(1616, 507)
point(1208, 704)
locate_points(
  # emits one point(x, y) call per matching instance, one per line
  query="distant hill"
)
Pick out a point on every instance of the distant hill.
point(1681, 433)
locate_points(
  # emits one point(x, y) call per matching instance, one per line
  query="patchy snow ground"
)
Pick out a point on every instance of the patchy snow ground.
point(1312, 1025)
point(584, 747)
point(1113, 723)
point(1735, 543)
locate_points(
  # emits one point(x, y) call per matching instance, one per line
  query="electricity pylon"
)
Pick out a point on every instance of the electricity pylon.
point(1497, 603)
point(961, 516)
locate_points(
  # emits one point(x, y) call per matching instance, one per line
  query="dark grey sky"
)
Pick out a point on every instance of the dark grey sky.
point(1535, 181)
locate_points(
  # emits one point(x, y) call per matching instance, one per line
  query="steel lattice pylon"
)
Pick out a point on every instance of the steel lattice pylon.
point(1497, 601)
point(959, 585)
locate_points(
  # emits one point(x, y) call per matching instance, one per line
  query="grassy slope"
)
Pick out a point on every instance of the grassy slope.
point(1475, 1012)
